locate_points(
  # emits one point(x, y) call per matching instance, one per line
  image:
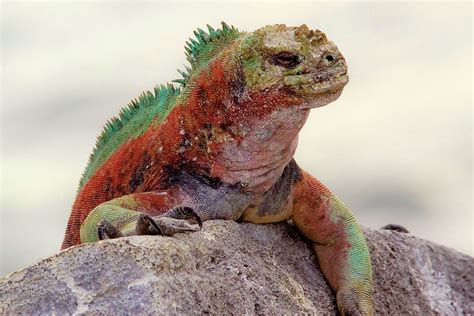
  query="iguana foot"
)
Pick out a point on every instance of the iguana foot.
point(177, 220)
point(145, 225)
point(105, 230)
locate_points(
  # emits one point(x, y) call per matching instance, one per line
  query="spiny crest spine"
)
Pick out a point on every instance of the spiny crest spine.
point(203, 45)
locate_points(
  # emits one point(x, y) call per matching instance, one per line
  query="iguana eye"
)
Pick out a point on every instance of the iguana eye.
point(286, 59)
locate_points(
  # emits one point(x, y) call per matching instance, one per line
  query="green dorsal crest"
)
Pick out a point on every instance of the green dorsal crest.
point(132, 121)
point(204, 47)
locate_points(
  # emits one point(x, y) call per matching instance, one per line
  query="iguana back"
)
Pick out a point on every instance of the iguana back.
point(153, 107)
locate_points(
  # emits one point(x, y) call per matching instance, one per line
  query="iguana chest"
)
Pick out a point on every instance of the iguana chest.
point(258, 160)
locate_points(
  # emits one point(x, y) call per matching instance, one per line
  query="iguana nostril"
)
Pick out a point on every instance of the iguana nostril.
point(329, 58)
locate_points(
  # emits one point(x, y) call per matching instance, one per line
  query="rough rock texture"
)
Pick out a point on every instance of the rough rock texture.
point(231, 268)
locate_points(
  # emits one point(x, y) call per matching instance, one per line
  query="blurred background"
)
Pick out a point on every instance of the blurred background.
point(396, 146)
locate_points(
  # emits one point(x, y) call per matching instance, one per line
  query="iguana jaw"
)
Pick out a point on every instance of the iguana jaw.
point(322, 99)
point(318, 88)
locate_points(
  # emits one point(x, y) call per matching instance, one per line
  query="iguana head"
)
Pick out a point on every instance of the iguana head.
point(296, 60)
point(292, 61)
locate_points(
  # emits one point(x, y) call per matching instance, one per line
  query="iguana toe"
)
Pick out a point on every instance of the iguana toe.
point(147, 226)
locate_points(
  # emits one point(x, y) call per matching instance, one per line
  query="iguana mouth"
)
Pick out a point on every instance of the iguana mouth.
point(328, 76)
point(328, 82)
point(314, 84)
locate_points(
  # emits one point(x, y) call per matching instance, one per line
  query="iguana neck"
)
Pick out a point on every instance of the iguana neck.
point(257, 160)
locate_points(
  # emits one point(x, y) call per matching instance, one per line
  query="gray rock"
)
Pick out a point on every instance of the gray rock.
point(230, 268)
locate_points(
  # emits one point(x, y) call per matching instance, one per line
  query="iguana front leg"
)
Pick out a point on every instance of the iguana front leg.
point(339, 244)
point(149, 213)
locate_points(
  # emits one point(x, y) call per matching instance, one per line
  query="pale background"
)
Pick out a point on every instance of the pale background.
point(396, 147)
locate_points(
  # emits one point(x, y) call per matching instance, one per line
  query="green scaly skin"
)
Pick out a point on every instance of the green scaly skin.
point(221, 146)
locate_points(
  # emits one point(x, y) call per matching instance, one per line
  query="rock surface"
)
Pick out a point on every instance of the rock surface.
point(230, 268)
